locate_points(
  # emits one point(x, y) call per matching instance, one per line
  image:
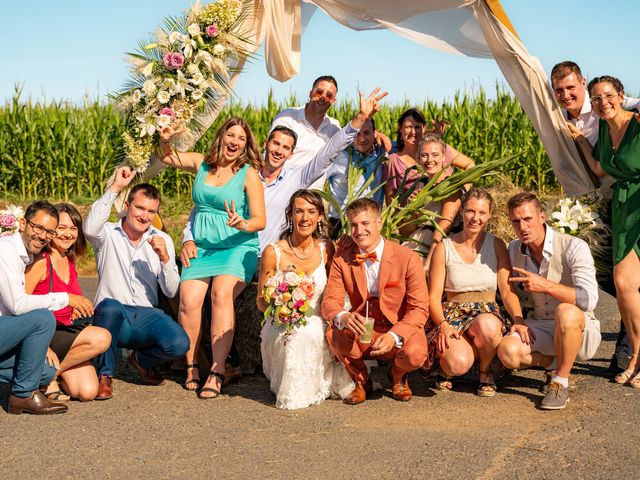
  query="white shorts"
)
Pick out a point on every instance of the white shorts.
point(544, 330)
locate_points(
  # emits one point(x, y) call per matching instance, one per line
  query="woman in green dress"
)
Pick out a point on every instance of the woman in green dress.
point(617, 153)
point(229, 205)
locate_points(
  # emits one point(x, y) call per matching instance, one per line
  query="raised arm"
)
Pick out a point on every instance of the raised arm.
point(101, 208)
point(459, 159)
point(189, 161)
point(341, 139)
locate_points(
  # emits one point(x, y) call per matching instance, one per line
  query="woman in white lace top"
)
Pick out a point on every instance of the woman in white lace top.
point(468, 268)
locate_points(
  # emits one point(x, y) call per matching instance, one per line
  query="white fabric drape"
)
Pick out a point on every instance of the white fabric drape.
point(463, 27)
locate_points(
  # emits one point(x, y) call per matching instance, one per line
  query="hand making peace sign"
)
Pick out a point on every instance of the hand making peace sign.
point(235, 220)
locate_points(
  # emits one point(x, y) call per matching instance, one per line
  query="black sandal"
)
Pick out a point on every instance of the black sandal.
point(215, 392)
point(193, 384)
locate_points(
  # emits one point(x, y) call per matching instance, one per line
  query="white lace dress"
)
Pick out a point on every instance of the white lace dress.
point(303, 371)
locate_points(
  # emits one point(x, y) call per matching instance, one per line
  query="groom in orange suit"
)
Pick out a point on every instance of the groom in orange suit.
point(389, 277)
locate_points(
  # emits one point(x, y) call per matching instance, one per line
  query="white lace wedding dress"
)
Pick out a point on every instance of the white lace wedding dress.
point(303, 371)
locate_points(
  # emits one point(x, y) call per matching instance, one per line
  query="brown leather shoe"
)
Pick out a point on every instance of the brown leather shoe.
point(149, 375)
point(105, 388)
point(401, 390)
point(359, 394)
point(36, 404)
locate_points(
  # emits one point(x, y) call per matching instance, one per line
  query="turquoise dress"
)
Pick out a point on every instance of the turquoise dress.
point(624, 167)
point(222, 250)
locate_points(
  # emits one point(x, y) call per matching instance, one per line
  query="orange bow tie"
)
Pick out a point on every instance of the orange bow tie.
point(361, 257)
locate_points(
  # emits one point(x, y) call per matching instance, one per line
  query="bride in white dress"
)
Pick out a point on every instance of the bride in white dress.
point(301, 369)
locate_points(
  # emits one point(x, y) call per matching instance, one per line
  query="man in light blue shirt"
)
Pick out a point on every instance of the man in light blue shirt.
point(365, 154)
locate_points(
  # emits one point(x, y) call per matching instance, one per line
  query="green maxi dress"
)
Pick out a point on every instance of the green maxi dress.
point(222, 250)
point(624, 167)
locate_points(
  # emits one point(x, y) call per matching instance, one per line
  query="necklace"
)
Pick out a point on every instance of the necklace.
point(301, 257)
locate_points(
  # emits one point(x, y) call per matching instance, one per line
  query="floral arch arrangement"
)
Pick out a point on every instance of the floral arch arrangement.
point(179, 73)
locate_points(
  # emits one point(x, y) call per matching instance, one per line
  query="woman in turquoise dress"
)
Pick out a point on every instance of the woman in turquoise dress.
point(618, 154)
point(229, 205)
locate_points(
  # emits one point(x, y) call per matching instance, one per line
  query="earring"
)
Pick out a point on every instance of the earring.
point(290, 227)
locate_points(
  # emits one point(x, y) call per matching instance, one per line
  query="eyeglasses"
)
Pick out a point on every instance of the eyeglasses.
point(39, 229)
point(319, 92)
point(607, 96)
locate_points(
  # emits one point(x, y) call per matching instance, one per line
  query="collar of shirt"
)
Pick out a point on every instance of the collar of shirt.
point(379, 249)
point(585, 110)
point(278, 179)
point(547, 246)
point(302, 118)
point(21, 249)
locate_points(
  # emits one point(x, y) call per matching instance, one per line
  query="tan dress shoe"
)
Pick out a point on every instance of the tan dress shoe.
point(36, 403)
point(359, 394)
point(401, 390)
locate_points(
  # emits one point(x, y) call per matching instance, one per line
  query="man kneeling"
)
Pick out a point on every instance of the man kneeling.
point(384, 280)
point(558, 273)
point(134, 259)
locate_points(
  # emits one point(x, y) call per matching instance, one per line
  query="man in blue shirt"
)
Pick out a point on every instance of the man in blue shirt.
point(364, 154)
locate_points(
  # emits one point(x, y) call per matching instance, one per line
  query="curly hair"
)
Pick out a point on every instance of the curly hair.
point(250, 154)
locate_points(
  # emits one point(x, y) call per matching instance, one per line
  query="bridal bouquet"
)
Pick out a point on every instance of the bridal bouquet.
point(288, 294)
point(9, 220)
point(178, 73)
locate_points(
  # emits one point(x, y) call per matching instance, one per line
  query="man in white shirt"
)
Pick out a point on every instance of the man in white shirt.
point(570, 90)
point(311, 123)
point(558, 274)
point(27, 323)
point(134, 259)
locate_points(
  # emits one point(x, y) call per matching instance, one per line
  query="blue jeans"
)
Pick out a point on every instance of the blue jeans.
point(24, 340)
point(154, 335)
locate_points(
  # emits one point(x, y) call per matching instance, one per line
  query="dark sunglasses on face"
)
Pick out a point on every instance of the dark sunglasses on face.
point(319, 92)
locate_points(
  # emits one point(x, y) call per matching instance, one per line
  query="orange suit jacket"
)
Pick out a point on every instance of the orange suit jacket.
point(404, 299)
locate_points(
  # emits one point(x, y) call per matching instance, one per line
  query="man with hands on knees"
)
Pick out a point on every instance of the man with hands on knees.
point(134, 259)
point(384, 282)
point(27, 323)
point(557, 271)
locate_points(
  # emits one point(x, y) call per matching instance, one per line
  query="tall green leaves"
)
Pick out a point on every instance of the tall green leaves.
point(59, 150)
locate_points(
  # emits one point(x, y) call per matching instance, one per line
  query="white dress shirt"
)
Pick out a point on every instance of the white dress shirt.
point(292, 178)
point(14, 300)
point(310, 140)
point(372, 272)
point(128, 273)
point(579, 260)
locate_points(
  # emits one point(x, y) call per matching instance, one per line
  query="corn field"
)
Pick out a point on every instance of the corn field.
point(62, 151)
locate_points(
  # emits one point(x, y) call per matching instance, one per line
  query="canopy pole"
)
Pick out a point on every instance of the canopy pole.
point(496, 8)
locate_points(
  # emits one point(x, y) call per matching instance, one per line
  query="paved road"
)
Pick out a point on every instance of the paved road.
point(165, 432)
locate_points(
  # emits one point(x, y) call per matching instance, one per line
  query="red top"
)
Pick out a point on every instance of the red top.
point(63, 316)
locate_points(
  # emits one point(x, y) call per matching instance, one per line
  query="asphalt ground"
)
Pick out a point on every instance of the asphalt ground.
point(166, 432)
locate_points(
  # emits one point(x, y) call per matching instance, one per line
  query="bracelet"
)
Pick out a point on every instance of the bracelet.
point(244, 226)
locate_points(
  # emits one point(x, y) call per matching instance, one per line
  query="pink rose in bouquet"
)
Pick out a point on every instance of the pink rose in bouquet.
point(173, 60)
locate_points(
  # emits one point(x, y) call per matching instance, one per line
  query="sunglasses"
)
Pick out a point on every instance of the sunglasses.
point(319, 92)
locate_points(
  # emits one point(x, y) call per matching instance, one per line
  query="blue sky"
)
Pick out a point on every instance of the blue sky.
point(65, 50)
